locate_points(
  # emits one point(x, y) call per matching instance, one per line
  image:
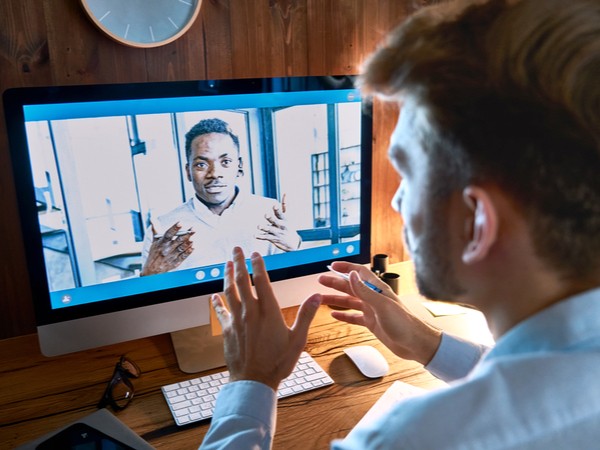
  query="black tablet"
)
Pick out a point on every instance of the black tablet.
point(81, 436)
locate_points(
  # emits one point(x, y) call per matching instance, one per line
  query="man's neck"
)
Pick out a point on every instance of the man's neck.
point(522, 293)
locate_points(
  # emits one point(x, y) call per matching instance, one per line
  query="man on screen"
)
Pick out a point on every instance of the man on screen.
point(221, 215)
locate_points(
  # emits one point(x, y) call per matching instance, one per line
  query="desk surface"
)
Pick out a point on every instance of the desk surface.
point(39, 394)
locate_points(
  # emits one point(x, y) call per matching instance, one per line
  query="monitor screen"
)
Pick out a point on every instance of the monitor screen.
point(105, 174)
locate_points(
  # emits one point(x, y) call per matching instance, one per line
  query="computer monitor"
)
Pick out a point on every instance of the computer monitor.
point(97, 166)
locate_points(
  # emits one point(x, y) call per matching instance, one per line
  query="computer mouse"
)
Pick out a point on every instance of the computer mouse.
point(368, 360)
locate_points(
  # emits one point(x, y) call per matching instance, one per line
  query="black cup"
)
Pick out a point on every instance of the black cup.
point(380, 263)
point(392, 280)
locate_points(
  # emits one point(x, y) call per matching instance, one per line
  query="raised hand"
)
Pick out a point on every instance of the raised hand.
point(259, 345)
point(382, 313)
point(168, 251)
point(277, 231)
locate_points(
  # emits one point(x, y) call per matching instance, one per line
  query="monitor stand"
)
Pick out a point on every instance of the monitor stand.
point(197, 349)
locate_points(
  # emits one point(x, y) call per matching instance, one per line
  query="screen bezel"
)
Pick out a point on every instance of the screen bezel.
point(14, 101)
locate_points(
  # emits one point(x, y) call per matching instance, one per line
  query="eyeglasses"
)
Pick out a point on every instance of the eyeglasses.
point(120, 391)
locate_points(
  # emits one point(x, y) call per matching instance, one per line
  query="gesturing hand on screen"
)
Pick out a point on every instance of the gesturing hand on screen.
point(168, 251)
point(259, 345)
point(277, 231)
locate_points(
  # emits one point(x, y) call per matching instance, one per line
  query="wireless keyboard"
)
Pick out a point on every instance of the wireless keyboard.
point(194, 400)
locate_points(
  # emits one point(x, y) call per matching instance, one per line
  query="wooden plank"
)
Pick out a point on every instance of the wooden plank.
point(81, 54)
point(289, 36)
point(386, 231)
point(183, 59)
point(23, 62)
point(215, 17)
point(379, 19)
point(328, 37)
point(251, 40)
point(23, 44)
point(267, 38)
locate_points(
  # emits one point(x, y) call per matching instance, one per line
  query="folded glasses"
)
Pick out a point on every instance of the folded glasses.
point(120, 390)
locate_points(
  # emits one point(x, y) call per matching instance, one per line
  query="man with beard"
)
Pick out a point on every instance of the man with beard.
point(498, 149)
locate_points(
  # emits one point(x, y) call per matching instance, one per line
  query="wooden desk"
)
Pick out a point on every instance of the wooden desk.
point(39, 394)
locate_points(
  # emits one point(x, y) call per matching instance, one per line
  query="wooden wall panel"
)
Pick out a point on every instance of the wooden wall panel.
point(80, 54)
point(253, 40)
point(184, 59)
point(289, 25)
point(52, 42)
point(217, 35)
point(386, 229)
point(334, 36)
point(23, 49)
point(23, 62)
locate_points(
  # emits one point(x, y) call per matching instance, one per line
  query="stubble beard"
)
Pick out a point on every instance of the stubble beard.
point(434, 273)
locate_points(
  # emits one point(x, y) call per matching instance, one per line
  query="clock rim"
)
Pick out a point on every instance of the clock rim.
point(130, 43)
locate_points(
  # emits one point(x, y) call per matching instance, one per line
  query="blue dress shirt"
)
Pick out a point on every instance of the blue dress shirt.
point(538, 388)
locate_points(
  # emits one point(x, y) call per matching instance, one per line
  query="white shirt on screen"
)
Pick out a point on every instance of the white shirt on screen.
point(216, 235)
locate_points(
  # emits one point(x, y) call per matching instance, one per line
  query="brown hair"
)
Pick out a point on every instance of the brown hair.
point(512, 91)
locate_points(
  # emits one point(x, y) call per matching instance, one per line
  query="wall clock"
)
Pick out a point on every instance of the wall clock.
point(143, 23)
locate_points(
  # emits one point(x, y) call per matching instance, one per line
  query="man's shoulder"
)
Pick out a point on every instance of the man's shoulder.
point(518, 397)
point(177, 212)
point(257, 201)
point(263, 200)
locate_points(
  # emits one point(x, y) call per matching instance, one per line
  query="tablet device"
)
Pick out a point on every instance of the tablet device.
point(81, 436)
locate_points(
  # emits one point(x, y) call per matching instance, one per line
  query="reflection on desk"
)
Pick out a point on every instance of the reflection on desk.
point(40, 394)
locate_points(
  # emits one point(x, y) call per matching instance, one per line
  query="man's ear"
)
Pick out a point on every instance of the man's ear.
point(240, 167)
point(187, 171)
point(481, 224)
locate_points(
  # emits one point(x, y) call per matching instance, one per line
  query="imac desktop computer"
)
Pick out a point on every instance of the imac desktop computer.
point(96, 167)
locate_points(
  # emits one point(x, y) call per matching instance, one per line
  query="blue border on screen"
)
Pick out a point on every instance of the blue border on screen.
point(108, 108)
point(137, 285)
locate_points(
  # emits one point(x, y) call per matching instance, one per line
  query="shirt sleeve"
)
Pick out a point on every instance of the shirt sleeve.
point(455, 358)
point(244, 417)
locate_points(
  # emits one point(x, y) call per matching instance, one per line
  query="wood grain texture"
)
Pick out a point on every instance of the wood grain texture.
point(24, 61)
point(82, 54)
point(386, 230)
point(52, 42)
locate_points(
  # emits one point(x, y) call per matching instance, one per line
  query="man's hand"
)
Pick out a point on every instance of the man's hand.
point(259, 345)
point(383, 314)
point(277, 231)
point(168, 251)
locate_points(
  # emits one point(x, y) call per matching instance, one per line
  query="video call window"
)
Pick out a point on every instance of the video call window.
point(99, 181)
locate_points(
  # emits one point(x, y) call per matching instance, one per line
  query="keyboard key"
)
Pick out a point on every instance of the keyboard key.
point(177, 399)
